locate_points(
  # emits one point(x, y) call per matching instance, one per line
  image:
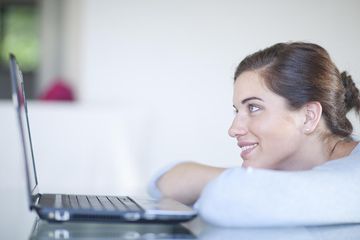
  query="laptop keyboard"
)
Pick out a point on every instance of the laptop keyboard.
point(101, 203)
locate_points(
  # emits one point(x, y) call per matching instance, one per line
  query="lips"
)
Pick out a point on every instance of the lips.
point(246, 148)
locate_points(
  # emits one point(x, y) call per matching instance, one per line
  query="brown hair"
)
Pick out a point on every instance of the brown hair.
point(303, 72)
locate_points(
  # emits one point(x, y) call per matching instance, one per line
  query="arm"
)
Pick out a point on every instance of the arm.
point(185, 181)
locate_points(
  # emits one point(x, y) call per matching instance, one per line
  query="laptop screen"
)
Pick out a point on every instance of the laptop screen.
point(19, 100)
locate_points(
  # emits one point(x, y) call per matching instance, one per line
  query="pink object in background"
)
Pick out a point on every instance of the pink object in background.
point(58, 91)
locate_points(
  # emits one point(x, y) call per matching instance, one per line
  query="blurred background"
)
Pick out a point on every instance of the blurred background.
point(120, 88)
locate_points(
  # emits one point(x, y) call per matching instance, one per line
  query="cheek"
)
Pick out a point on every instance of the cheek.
point(272, 130)
point(279, 139)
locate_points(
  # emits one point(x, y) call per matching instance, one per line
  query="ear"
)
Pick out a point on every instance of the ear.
point(313, 112)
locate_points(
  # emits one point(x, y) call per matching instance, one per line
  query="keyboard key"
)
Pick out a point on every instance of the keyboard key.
point(119, 205)
point(83, 202)
point(74, 202)
point(65, 203)
point(106, 203)
point(95, 203)
point(47, 200)
point(130, 204)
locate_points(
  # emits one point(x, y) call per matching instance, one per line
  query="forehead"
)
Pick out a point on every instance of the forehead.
point(250, 84)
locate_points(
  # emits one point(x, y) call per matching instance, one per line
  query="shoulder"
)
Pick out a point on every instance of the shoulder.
point(349, 162)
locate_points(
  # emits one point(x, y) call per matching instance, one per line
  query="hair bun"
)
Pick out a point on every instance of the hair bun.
point(352, 97)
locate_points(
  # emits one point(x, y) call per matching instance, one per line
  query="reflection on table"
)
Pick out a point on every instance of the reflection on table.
point(83, 230)
point(334, 232)
point(195, 229)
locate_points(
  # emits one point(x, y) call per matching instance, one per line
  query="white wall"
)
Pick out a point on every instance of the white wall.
point(77, 148)
point(139, 48)
point(176, 58)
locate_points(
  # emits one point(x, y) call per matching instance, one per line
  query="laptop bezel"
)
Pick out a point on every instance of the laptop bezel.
point(16, 79)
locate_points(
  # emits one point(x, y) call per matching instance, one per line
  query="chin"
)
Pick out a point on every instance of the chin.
point(247, 163)
point(252, 164)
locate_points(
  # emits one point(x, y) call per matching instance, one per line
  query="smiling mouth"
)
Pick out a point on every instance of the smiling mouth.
point(245, 150)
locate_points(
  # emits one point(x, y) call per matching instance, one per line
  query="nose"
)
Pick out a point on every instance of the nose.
point(238, 127)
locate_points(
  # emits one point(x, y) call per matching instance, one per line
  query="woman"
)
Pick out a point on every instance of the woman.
point(301, 165)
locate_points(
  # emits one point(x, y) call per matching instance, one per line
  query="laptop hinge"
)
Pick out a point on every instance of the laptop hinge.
point(35, 201)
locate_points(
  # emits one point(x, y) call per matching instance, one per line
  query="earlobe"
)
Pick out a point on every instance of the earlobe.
point(313, 112)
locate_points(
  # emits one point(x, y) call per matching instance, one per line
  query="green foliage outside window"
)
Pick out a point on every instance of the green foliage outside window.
point(21, 36)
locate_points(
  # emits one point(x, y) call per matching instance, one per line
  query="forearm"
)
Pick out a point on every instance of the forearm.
point(185, 181)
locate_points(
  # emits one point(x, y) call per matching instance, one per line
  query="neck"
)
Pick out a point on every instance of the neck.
point(314, 152)
point(343, 148)
point(318, 151)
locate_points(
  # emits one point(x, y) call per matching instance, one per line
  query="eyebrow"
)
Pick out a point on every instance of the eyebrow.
point(251, 98)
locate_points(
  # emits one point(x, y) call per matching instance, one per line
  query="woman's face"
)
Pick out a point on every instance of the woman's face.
point(268, 133)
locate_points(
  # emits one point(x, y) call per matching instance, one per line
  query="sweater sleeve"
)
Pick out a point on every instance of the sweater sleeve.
point(240, 197)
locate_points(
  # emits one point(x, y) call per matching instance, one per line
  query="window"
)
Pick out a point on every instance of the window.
point(19, 34)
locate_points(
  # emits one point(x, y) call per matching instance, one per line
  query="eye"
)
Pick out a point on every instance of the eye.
point(253, 108)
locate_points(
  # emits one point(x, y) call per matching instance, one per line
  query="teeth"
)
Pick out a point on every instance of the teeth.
point(244, 148)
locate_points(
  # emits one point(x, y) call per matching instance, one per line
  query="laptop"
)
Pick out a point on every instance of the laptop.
point(70, 207)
